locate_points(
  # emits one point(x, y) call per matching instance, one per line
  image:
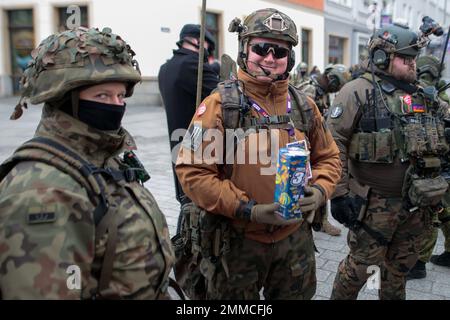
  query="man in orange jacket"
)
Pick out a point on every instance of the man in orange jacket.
point(265, 250)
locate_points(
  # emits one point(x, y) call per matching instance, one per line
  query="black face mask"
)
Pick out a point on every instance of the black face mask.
point(102, 116)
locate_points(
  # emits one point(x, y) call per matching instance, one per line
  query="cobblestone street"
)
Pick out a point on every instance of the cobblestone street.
point(148, 126)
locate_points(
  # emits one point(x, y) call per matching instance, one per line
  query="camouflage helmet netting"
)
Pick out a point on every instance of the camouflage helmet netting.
point(75, 58)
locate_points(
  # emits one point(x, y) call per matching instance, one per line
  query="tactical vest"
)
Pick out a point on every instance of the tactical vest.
point(401, 125)
point(93, 180)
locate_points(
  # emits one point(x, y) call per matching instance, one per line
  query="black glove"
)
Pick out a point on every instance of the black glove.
point(343, 210)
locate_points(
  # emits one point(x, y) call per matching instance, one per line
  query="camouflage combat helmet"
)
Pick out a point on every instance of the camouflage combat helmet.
point(266, 23)
point(75, 58)
point(339, 72)
point(428, 64)
point(396, 38)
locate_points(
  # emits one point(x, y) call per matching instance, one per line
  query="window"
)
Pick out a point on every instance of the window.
point(336, 50)
point(62, 17)
point(21, 42)
point(306, 40)
point(347, 3)
point(212, 25)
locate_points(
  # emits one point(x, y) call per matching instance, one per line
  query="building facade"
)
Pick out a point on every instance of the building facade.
point(151, 28)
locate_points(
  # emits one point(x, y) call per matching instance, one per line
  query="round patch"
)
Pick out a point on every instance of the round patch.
point(201, 110)
point(336, 111)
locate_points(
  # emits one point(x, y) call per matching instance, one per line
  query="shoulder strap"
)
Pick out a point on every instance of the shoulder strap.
point(67, 161)
point(302, 113)
point(232, 103)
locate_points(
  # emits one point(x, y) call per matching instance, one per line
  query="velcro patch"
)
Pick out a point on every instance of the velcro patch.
point(193, 138)
point(336, 111)
point(41, 217)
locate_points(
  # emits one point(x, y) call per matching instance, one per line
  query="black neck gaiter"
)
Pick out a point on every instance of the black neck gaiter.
point(102, 116)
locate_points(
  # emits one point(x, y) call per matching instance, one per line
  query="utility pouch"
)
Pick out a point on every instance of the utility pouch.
point(424, 192)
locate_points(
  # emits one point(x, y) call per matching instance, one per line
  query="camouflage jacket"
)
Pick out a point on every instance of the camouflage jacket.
point(47, 227)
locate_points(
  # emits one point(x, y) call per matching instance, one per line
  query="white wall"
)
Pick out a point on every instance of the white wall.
point(142, 27)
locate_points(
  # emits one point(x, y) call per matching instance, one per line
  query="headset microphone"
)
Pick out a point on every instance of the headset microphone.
point(266, 72)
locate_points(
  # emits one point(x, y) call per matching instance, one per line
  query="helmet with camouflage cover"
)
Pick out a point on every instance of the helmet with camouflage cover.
point(265, 23)
point(428, 64)
point(76, 58)
point(338, 75)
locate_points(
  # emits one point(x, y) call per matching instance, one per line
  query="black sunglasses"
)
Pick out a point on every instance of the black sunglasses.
point(263, 49)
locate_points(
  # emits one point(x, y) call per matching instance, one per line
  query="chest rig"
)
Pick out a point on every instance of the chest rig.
point(394, 125)
point(236, 109)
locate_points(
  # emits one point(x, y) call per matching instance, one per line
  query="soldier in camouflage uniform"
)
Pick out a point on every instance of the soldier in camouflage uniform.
point(390, 133)
point(428, 73)
point(75, 219)
point(319, 89)
point(252, 246)
point(301, 74)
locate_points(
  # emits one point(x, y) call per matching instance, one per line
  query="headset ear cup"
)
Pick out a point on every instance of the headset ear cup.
point(380, 59)
point(291, 61)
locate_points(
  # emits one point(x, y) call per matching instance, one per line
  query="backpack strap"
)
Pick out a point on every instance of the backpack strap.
point(232, 103)
point(302, 114)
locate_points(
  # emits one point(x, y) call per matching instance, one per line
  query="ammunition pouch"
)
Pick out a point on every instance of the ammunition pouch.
point(202, 236)
point(373, 147)
point(425, 135)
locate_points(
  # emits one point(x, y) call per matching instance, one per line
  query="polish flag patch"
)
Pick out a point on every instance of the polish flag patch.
point(201, 109)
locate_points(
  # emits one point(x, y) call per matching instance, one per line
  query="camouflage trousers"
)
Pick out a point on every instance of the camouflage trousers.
point(430, 235)
point(285, 269)
point(401, 229)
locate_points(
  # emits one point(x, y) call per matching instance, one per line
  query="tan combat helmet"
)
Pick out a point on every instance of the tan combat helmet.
point(338, 75)
point(75, 58)
point(266, 23)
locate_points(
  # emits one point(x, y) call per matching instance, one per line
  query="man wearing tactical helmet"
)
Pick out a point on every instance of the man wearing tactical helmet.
point(428, 73)
point(258, 248)
point(87, 227)
point(390, 135)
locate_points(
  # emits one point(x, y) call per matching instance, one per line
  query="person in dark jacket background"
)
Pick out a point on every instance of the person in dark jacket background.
point(177, 80)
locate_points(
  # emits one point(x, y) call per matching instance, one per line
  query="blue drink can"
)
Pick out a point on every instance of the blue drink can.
point(290, 179)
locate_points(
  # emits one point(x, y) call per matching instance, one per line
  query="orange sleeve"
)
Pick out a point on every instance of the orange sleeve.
point(325, 161)
point(199, 164)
